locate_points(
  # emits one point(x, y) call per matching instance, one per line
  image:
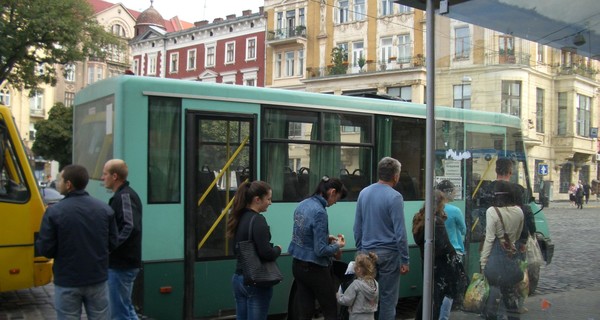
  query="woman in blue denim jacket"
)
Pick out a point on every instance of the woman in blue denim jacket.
point(313, 250)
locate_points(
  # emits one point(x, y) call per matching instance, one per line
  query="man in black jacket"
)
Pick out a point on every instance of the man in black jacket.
point(78, 232)
point(125, 261)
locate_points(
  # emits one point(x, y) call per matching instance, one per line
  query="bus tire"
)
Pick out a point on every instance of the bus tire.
point(533, 271)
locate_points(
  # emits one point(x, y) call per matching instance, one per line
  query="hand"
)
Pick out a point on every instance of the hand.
point(341, 241)
point(404, 269)
point(338, 255)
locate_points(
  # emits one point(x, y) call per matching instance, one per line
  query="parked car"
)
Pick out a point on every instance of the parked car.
point(50, 195)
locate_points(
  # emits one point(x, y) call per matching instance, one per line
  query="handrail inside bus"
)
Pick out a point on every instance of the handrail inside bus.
point(219, 218)
point(225, 167)
point(477, 189)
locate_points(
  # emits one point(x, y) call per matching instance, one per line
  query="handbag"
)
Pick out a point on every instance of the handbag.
point(534, 253)
point(256, 272)
point(503, 268)
point(477, 294)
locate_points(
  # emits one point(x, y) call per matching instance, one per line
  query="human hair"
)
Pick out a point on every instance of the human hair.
point(327, 183)
point(77, 174)
point(119, 167)
point(419, 218)
point(388, 168)
point(445, 186)
point(504, 166)
point(243, 197)
point(365, 265)
point(505, 194)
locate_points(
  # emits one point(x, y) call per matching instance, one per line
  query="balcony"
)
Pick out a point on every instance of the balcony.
point(36, 112)
point(286, 36)
point(391, 65)
point(578, 69)
point(507, 57)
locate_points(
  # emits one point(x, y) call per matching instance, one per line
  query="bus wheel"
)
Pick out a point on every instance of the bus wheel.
point(533, 271)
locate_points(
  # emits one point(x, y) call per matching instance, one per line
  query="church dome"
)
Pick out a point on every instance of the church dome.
point(151, 17)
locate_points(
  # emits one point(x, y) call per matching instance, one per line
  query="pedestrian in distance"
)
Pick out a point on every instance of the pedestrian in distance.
point(126, 260)
point(362, 295)
point(586, 191)
point(78, 232)
point(313, 250)
point(379, 227)
point(251, 199)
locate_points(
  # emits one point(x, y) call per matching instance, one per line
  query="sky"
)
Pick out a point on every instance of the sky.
point(194, 10)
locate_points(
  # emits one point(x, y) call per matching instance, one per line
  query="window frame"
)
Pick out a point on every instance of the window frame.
point(174, 62)
point(191, 59)
point(229, 52)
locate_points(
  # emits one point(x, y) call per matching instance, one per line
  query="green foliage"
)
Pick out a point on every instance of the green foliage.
point(38, 35)
point(339, 61)
point(54, 137)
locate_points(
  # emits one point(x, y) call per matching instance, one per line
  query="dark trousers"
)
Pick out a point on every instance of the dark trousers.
point(314, 282)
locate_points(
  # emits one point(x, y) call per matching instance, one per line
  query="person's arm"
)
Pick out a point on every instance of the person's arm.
point(490, 236)
point(261, 234)
point(400, 228)
point(113, 231)
point(46, 243)
point(358, 226)
point(347, 298)
point(460, 223)
point(321, 245)
point(126, 211)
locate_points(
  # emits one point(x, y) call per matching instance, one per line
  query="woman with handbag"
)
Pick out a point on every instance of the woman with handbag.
point(313, 250)
point(500, 261)
point(246, 223)
point(448, 272)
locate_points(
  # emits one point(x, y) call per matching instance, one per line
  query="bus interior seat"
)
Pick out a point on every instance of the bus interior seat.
point(354, 182)
point(290, 185)
point(406, 186)
point(205, 178)
point(303, 183)
point(241, 174)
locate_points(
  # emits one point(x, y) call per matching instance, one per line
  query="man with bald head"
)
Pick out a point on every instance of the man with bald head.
point(125, 261)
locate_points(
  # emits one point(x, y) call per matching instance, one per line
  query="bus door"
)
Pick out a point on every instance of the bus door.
point(485, 144)
point(21, 211)
point(220, 149)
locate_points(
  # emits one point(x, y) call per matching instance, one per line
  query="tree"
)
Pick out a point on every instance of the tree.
point(39, 35)
point(54, 137)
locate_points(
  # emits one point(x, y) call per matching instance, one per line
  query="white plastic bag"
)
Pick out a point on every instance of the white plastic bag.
point(534, 253)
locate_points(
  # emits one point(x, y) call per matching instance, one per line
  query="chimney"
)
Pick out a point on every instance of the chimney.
point(201, 23)
point(261, 10)
point(246, 12)
point(231, 17)
point(217, 20)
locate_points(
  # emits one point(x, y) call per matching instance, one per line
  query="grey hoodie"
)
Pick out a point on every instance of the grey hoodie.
point(362, 297)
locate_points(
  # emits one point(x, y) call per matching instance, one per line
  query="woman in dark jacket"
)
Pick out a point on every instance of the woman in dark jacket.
point(448, 273)
point(251, 199)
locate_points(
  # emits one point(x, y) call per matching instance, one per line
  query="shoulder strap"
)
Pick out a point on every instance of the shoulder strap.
point(506, 238)
point(250, 226)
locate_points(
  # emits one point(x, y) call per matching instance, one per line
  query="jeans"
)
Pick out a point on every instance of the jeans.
point(314, 282)
point(388, 277)
point(251, 303)
point(68, 300)
point(120, 286)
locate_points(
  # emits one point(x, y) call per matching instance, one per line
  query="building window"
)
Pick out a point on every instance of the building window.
point(118, 30)
point(539, 110)
point(250, 82)
point(36, 102)
point(5, 97)
point(404, 93)
point(290, 18)
point(70, 72)
point(462, 43)
point(174, 68)
point(136, 66)
point(358, 52)
point(69, 99)
point(462, 96)
point(540, 53)
point(99, 73)
point(506, 49)
point(404, 9)
point(289, 64)
point(230, 52)
point(278, 65)
point(404, 48)
point(251, 49)
point(300, 62)
point(191, 59)
point(342, 11)
point(359, 10)
point(387, 7)
point(511, 98)
point(301, 17)
point(386, 50)
point(95, 73)
point(565, 177)
point(32, 131)
point(279, 20)
point(210, 56)
point(562, 114)
point(583, 115)
point(152, 65)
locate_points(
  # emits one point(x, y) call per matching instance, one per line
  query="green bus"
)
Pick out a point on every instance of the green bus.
point(190, 144)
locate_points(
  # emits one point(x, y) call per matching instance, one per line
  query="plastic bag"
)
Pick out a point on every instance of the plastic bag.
point(534, 253)
point(523, 286)
point(477, 294)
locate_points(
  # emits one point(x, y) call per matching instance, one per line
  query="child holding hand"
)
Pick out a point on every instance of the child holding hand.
point(362, 296)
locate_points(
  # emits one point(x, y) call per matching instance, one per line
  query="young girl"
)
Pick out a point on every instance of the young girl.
point(362, 296)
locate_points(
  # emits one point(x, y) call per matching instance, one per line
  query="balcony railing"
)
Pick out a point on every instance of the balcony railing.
point(34, 112)
point(407, 63)
point(578, 69)
point(286, 33)
point(508, 57)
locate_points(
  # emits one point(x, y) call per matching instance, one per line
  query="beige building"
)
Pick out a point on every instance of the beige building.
point(381, 50)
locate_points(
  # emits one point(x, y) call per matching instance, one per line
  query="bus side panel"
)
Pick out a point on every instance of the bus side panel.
point(159, 303)
point(16, 258)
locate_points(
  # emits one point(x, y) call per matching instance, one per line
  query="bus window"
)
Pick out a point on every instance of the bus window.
point(308, 145)
point(12, 179)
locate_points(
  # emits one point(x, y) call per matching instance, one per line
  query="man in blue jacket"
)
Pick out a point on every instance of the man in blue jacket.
point(78, 232)
point(125, 261)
